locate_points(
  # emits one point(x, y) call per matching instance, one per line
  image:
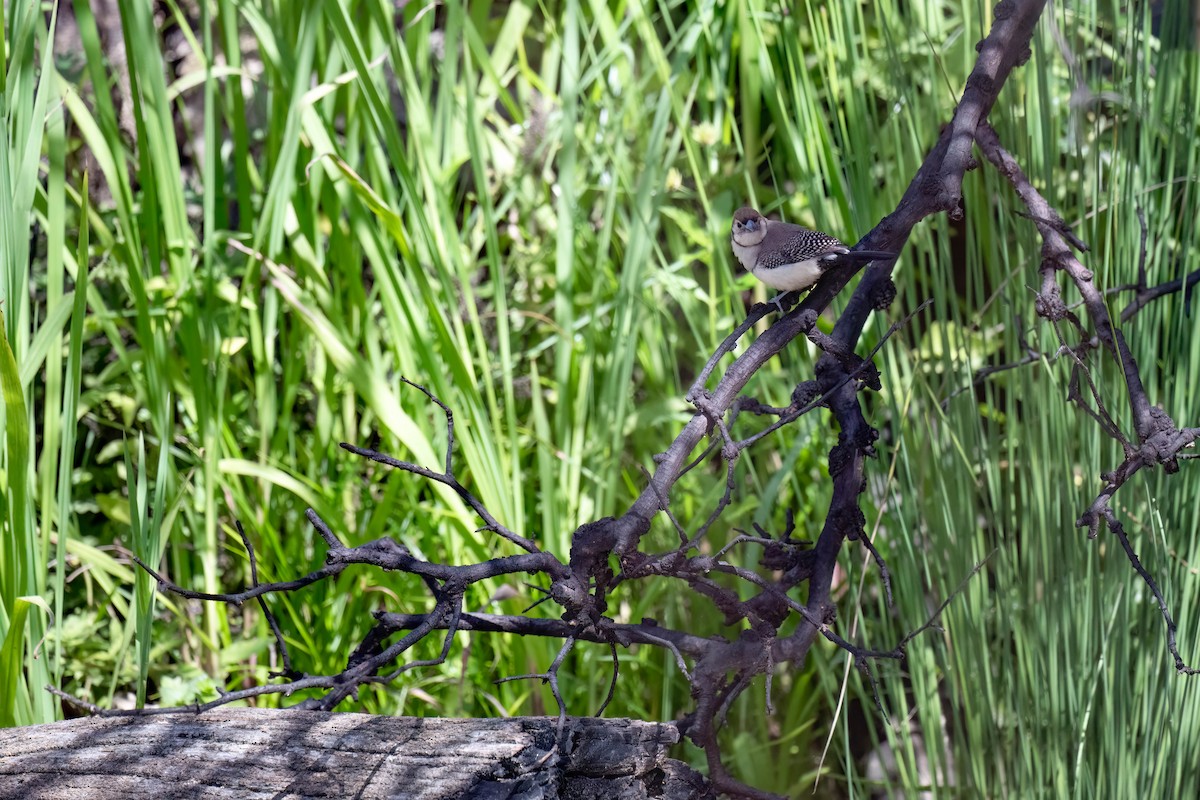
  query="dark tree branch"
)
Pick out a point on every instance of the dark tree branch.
point(446, 478)
point(1145, 296)
point(280, 642)
point(1159, 442)
point(723, 667)
point(1056, 256)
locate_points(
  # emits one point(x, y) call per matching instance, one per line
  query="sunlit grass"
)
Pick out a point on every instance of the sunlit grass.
point(525, 209)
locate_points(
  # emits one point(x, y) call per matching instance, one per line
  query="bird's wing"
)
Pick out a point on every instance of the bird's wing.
point(790, 244)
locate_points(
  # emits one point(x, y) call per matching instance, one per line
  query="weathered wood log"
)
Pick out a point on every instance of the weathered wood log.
point(255, 753)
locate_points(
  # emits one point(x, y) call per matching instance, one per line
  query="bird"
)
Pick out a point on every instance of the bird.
point(788, 257)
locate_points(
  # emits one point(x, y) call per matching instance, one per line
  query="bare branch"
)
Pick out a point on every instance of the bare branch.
point(1158, 440)
point(446, 478)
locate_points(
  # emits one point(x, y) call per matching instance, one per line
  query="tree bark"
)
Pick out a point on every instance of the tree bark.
point(258, 753)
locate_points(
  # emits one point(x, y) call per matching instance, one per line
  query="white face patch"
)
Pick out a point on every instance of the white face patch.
point(745, 238)
point(746, 241)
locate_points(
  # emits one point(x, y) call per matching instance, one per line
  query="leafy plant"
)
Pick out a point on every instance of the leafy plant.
point(526, 208)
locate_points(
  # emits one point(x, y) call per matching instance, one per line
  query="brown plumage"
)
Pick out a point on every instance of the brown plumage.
point(785, 256)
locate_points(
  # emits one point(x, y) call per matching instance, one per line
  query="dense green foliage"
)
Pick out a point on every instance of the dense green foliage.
point(525, 208)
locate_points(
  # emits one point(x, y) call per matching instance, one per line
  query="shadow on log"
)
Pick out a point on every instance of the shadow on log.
point(245, 752)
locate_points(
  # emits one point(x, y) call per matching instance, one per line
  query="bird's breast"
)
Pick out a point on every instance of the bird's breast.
point(746, 256)
point(790, 277)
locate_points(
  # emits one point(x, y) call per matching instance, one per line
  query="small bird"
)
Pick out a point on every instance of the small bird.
point(788, 257)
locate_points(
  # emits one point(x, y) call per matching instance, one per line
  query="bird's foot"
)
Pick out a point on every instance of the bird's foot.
point(777, 301)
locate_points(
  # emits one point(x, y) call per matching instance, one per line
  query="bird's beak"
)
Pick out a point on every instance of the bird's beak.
point(750, 225)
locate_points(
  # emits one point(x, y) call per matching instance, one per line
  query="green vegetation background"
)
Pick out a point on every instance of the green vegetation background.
point(525, 208)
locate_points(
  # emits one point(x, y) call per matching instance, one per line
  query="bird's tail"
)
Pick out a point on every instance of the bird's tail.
point(870, 255)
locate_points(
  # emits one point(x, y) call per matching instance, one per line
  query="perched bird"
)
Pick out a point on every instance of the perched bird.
point(788, 257)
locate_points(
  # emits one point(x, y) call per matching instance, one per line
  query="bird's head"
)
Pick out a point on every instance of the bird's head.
point(749, 227)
